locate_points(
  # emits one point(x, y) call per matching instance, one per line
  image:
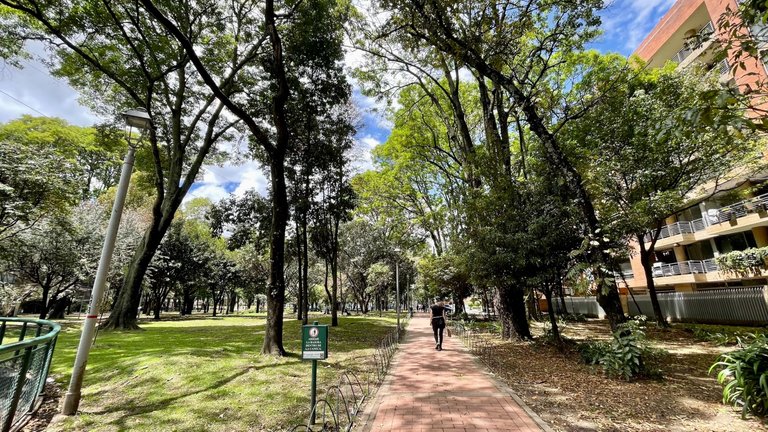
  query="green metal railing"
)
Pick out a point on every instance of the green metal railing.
point(24, 365)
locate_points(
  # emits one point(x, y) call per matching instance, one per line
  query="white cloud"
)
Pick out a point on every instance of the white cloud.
point(362, 159)
point(218, 181)
point(369, 142)
point(211, 191)
point(252, 179)
point(32, 90)
point(630, 21)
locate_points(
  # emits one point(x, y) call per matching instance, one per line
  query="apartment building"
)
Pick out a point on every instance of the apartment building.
point(731, 220)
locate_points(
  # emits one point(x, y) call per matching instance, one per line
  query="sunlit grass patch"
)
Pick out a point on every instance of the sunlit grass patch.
point(205, 374)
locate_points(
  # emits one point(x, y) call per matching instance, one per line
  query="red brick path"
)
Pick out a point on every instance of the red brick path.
point(442, 391)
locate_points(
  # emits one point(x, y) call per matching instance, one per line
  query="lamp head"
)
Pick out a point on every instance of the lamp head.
point(137, 118)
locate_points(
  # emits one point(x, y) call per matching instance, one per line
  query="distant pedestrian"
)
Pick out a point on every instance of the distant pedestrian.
point(438, 323)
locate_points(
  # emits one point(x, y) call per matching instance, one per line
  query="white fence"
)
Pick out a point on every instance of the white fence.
point(580, 305)
point(747, 305)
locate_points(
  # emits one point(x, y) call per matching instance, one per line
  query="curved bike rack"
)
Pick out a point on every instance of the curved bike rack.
point(342, 402)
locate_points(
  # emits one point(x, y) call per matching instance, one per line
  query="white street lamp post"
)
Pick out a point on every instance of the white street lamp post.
point(134, 119)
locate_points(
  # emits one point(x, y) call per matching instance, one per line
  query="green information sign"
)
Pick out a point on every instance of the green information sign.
point(314, 342)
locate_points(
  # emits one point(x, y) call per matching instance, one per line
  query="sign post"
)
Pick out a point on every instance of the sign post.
point(314, 346)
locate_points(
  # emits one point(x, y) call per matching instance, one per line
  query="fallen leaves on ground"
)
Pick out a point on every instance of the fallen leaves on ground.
point(572, 396)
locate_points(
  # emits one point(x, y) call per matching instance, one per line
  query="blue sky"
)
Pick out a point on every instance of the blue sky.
point(33, 91)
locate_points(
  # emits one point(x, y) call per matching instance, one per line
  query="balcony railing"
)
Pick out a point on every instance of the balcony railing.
point(677, 228)
point(685, 267)
point(714, 216)
point(689, 46)
point(723, 67)
point(740, 209)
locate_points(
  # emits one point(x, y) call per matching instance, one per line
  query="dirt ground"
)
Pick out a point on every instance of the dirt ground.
point(572, 396)
point(50, 407)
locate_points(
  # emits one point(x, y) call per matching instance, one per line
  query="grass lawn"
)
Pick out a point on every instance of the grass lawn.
point(205, 374)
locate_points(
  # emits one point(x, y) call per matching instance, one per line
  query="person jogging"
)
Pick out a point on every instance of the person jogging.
point(438, 323)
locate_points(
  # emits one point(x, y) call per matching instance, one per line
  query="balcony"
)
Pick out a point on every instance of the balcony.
point(695, 45)
point(684, 268)
point(678, 228)
point(686, 232)
point(740, 209)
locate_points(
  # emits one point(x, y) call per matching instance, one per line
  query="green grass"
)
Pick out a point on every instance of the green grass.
point(205, 374)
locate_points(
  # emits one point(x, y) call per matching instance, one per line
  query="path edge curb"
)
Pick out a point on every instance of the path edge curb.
point(369, 411)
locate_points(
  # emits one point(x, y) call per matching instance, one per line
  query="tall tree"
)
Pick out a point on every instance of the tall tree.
point(513, 52)
point(120, 57)
point(642, 156)
point(289, 43)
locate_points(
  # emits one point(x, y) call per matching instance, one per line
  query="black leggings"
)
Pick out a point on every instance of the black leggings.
point(437, 327)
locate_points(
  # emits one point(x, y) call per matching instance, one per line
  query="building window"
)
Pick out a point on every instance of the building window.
point(735, 242)
point(700, 251)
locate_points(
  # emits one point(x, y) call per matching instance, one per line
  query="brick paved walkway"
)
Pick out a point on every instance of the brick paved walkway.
point(442, 391)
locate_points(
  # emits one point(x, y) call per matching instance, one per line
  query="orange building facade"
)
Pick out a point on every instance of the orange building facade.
point(691, 240)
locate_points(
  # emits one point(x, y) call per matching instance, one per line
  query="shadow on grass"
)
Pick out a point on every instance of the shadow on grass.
point(134, 408)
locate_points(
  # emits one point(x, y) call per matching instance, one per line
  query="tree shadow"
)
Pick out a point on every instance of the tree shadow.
point(134, 408)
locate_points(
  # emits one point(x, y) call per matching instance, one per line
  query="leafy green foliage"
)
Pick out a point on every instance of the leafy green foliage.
point(748, 260)
point(744, 376)
point(627, 356)
point(46, 165)
point(592, 352)
point(624, 356)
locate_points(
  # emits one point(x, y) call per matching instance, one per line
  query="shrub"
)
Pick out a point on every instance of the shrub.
point(593, 351)
point(628, 355)
point(624, 357)
point(744, 376)
point(723, 336)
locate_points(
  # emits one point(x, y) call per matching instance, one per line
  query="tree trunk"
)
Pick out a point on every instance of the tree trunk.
point(299, 258)
point(273, 336)
point(123, 315)
point(157, 307)
point(513, 303)
point(553, 318)
point(45, 305)
point(305, 269)
point(561, 293)
point(335, 274)
point(645, 259)
point(188, 303)
point(533, 310)
point(334, 288)
point(58, 307)
point(232, 302)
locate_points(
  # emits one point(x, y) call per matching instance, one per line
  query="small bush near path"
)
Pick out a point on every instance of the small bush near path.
point(743, 374)
point(205, 374)
point(564, 391)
